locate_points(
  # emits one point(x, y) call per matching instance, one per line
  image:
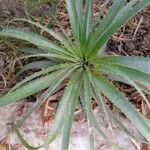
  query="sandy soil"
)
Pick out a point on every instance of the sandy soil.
point(36, 132)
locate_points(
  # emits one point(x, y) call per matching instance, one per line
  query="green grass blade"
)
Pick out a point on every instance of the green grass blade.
point(140, 122)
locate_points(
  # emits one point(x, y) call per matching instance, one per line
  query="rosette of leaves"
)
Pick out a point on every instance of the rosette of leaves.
point(80, 61)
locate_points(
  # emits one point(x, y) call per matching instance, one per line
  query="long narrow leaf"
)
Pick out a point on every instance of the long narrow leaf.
point(61, 38)
point(55, 81)
point(126, 77)
point(71, 8)
point(137, 63)
point(62, 109)
point(30, 37)
point(88, 22)
point(134, 75)
point(88, 107)
point(132, 8)
point(68, 120)
point(121, 102)
point(36, 65)
point(38, 74)
point(23, 141)
point(106, 22)
point(26, 90)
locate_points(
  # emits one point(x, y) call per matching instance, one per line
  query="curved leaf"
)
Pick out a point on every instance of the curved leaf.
point(56, 81)
point(43, 64)
point(131, 8)
point(37, 74)
point(27, 90)
point(61, 38)
point(62, 109)
point(137, 63)
point(88, 107)
point(106, 22)
point(30, 37)
point(122, 103)
point(68, 120)
point(134, 75)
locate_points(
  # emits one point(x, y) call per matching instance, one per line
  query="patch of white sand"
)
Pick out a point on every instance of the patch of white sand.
point(36, 133)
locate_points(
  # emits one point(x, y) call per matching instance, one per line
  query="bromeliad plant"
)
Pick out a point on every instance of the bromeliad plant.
point(81, 61)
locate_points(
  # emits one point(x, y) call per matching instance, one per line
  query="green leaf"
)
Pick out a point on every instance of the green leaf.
point(121, 126)
point(86, 26)
point(30, 37)
point(62, 109)
point(43, 64)
point(106, 23)
point(38, 74)
point(55, 81)
point(99, 99)
point(32, 51)
point(134, 75)
point(68, 120)
point(88, 18)
point(111, 116)
point(88, 108)
point(37, 40)
point(27, 90)
point(126, 77)
point(51, 56)
point(59, 118)
point(137, 63)
point(73, 16)
point(24, 142)
point(79, 8)
point(140, 122)
point(131, 8)
point(61, 38)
